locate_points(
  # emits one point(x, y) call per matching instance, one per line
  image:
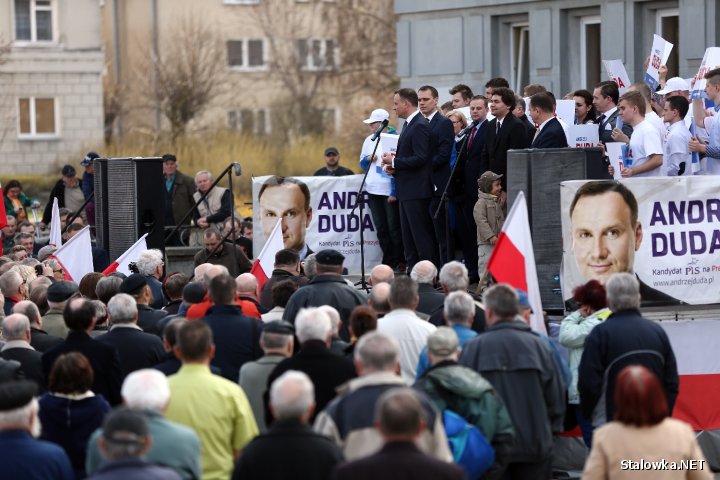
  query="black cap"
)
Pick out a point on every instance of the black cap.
point(16, 394)
point(132, 284)
point(89, 159)
point(194, 292)
point(279, 326)
point(68, 171)
point(329, 257)
point(61, 291)
point(331, 151)
point(124, 425)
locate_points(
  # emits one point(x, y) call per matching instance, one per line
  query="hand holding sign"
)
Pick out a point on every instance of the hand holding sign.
point(659, 55)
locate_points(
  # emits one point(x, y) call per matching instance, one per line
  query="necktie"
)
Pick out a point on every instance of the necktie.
point(497, 128)
point(601, 121)
point(472, 137)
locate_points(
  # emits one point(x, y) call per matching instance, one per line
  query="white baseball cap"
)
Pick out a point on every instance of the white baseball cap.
point(674, 84)
point(377, 115)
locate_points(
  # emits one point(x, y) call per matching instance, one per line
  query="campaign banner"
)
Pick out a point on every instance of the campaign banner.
point(582, 136)
point(673, 248)
point(710, 60)
point(616, 155)
point(659, 55)
point(388, 143)
point(617, 73)
point(332, 221)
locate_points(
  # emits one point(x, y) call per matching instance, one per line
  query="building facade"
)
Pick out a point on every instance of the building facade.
point(558, 43)
point(51, 98)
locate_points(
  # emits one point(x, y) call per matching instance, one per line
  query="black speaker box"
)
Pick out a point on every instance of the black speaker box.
point(538, 173)
point(129, 202)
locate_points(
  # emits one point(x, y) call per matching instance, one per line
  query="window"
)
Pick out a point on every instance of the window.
point(317, 54)
point(519, 52)
point(34, 20)
point(37, 117)
point(590, 61)
point(246, 54)
point(249, 121)
point(668, 27)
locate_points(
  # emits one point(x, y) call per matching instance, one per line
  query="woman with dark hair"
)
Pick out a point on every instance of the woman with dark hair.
point(16, 201)
point(70, 412)
point(642, 432)
point(88, 283)
point(574, 329)
point(584, 108)
point(363, 319)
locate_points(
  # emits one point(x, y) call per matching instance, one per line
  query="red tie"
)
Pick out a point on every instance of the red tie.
point(472, 137)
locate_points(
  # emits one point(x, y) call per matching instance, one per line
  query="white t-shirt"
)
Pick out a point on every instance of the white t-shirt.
point(645, 141)
point(378, 182)
point(658, 123)
point(676, 150)
point(712, 125)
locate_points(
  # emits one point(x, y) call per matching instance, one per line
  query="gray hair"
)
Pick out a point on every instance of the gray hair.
point(20, 417)
point(454, 276)
point(291, 395)
point(310, 266)
point(213, 271)
point(334, 317)
point(274, 341)
point(146, 389)
point(502, 299)
point(376, 352)
point(40, 281)
point(107, 288)
point(10, 281)
point(424, 272)
point(15, 326)
point(382, 273)
point(204, 172)
point(29, 309)
point(148, 261)
point(122, 308)
point(458, 308)
point(312, 324)
point(623, 292)
point(378, 298)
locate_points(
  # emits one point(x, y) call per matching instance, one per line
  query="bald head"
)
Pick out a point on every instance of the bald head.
point(246, 285)
point(16, 327)
point(381, 273)
point(378, 298)
point(28, 309)
point(200, 271)
point(424, 272)
point(213, 271)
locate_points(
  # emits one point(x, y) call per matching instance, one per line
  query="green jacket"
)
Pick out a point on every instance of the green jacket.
point(24, 200)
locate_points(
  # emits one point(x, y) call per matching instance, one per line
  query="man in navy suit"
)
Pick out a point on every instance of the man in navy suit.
point(550, 133)
point(505, 132)
point(442, 138)
point(412, 167)
point(605, 100)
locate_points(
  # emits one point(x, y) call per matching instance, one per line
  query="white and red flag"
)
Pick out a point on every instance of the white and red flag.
point(265, 262)
point(513, 260)
point(55, 227)
point(75, 256)
point(131, 255)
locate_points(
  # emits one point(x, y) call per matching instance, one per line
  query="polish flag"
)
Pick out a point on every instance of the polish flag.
point(75, 256)
point(3, 213)
point(55, 227)
point(131, 255)
point(513, 260)
point(265, 262)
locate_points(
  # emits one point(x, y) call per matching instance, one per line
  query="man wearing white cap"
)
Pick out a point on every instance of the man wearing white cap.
point(381, 189)
point(677, 86)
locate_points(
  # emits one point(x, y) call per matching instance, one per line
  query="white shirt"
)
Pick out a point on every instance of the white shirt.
point(658, 123)
point(712, 125)
point(608, 114)
point(676, 150)
point(430, 117)
point(645, 141)
point(377, 182)
point(411, 333)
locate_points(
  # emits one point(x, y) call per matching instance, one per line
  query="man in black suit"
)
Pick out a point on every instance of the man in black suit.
point(136, 348)
point(505, 132)
point(605, 100)
point(40, 340)
point(550, 133)
point(79, 315)
point(149, 319)
point(442, 138)
point(519, 112)
point(16, 330)
point(412, 167)
point(400, 418)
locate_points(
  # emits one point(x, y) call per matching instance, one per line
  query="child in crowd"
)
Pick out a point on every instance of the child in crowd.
point(488, 215)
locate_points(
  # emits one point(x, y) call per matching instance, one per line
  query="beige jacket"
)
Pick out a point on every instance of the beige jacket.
point(212, 202)
point(618, 448)
point(489, 217)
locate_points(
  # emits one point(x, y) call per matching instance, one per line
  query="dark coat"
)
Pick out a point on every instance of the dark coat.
point(396, 461)
point(471, 166)
point(135, 348)
point(135, 468)
point(326, 369)
point(22, 456)
point(430, 299)
point(442, 140)
point(170, 364)
point(236, 337)
point(479, 323)
point(278, 275)
point(512, 135)
point(157, 292)
point(552, 135)
point(530, 127)
point(103, 359)
point(625, 338)
point(521, 367)
point(225, 257)
point(181, 193)
point(298, 443)
point(31, 364)
point(413, 165)
point(58, 192)
point(150, 319)
point(604, 133)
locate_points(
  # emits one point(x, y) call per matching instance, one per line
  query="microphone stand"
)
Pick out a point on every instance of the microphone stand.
point(361, 202)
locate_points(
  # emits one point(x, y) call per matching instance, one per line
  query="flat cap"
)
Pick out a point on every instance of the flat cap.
point(329, 257)
point(133, 283)
point(61, 291)
point(16, 394)
point(194, 292)
point(331, 151)
point(443, 342)
point(124, 425)
point(279, 326)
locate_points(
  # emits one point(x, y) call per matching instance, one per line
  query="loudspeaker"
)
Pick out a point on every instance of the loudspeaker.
point(129, 202)
point(538, 173)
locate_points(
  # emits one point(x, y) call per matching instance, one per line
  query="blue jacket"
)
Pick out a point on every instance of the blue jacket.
point(464, 335)
point(236, 339)
point(21, 456)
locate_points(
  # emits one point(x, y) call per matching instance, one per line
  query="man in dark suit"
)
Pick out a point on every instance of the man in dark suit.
point(550, 133)
point(79, 315)
point(400, 419)
point(424, 273)
point(149, 319)
point(441, 145)
point(412, 167)
point(519, 112)
point(605, 100)
point(505, 132)
point(16, 330)
point(136, 348)
point(40, 340)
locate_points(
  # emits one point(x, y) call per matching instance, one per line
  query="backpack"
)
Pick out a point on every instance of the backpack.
point(469, 447)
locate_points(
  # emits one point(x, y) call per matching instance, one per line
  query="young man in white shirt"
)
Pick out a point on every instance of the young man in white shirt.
point(676, 155)
point(645, 151)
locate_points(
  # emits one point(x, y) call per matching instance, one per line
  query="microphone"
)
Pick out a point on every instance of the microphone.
point(467, 129)
point(238, 171)
point(379, 130)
